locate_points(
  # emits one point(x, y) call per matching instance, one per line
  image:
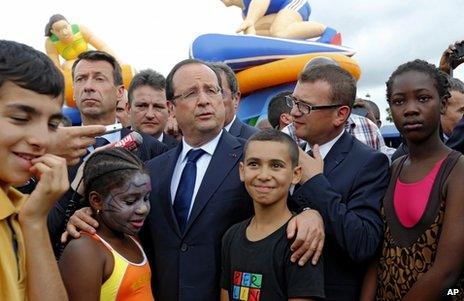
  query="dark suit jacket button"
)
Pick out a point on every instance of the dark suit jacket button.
point(183, 247)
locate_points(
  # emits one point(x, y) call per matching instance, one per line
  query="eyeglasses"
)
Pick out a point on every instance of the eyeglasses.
point(305, 108)
point(193, 94)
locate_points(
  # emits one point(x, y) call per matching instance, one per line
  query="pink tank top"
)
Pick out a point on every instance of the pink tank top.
point(410, 199)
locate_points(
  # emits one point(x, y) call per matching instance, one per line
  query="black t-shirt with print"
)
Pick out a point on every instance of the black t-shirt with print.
point(262, 270)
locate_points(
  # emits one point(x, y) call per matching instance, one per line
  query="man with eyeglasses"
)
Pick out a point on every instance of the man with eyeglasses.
point(197, 193)
point(343, 179)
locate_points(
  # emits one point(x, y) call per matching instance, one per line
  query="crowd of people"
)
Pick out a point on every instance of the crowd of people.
point(311, 206)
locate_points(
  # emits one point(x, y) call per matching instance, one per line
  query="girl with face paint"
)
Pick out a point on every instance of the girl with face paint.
point(111, 265)
point(422, 255)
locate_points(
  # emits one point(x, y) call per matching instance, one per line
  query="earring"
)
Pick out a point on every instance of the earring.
point(98, 211)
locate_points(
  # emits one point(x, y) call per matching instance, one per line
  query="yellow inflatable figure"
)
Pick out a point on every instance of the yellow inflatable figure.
point(68, 41)
point(277, 18)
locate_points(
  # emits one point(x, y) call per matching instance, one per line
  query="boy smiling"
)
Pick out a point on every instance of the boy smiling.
point(256, 253)
point(31, 96)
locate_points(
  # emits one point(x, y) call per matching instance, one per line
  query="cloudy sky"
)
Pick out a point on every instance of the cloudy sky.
point(157, 34)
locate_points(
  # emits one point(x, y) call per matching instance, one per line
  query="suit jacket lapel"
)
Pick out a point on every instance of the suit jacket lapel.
point(337, 153)
point(169, 141)
point(227, 154)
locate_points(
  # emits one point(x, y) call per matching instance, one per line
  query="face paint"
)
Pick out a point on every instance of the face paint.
point(126, 207)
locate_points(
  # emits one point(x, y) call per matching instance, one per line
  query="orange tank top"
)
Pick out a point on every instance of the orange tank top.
point(129, 281)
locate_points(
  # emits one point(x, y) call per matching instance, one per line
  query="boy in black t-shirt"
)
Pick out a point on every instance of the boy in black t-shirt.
point(256, 253)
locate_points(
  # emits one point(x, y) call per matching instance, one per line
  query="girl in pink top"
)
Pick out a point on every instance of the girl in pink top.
point(422, 255)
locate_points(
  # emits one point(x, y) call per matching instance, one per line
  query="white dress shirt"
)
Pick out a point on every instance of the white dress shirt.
point(202, 165)
point(160, 138)
point(325, 148)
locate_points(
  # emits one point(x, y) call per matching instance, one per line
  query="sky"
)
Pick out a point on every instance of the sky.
point(157, 34)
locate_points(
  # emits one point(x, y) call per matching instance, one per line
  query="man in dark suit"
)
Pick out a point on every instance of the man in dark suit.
point(344, 179)
point(182, 235)
point(97, 86)
point(231, 99)
point(147, 106)
point(185, 251)
point(97, 83)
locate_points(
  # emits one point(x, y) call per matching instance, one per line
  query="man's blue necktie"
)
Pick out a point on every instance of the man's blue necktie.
point(186, 186)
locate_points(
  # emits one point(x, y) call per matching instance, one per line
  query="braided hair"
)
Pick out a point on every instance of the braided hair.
point(109, 168)
point(440, 80)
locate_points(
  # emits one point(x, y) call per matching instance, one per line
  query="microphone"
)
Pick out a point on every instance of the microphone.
point(130, 141)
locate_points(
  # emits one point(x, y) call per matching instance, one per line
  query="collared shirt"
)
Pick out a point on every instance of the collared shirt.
point(364, 130)
point(359, 127)
point(202, 165)
point(12, 253)
point(325, 148)
point(368, 133)
point(160, 138)
point(227, 127)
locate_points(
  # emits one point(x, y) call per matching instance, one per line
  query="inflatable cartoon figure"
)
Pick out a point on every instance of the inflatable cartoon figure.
point(69, 40)
point(277, 18)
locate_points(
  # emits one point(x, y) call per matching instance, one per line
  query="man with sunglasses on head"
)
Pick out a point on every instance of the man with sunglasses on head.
point(343, 179)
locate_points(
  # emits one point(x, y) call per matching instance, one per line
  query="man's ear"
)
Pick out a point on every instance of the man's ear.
point(171, 109)
point(342, 115)
point(285, 119)
point(127, 108)
point(236, 98)
point(119, 94)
